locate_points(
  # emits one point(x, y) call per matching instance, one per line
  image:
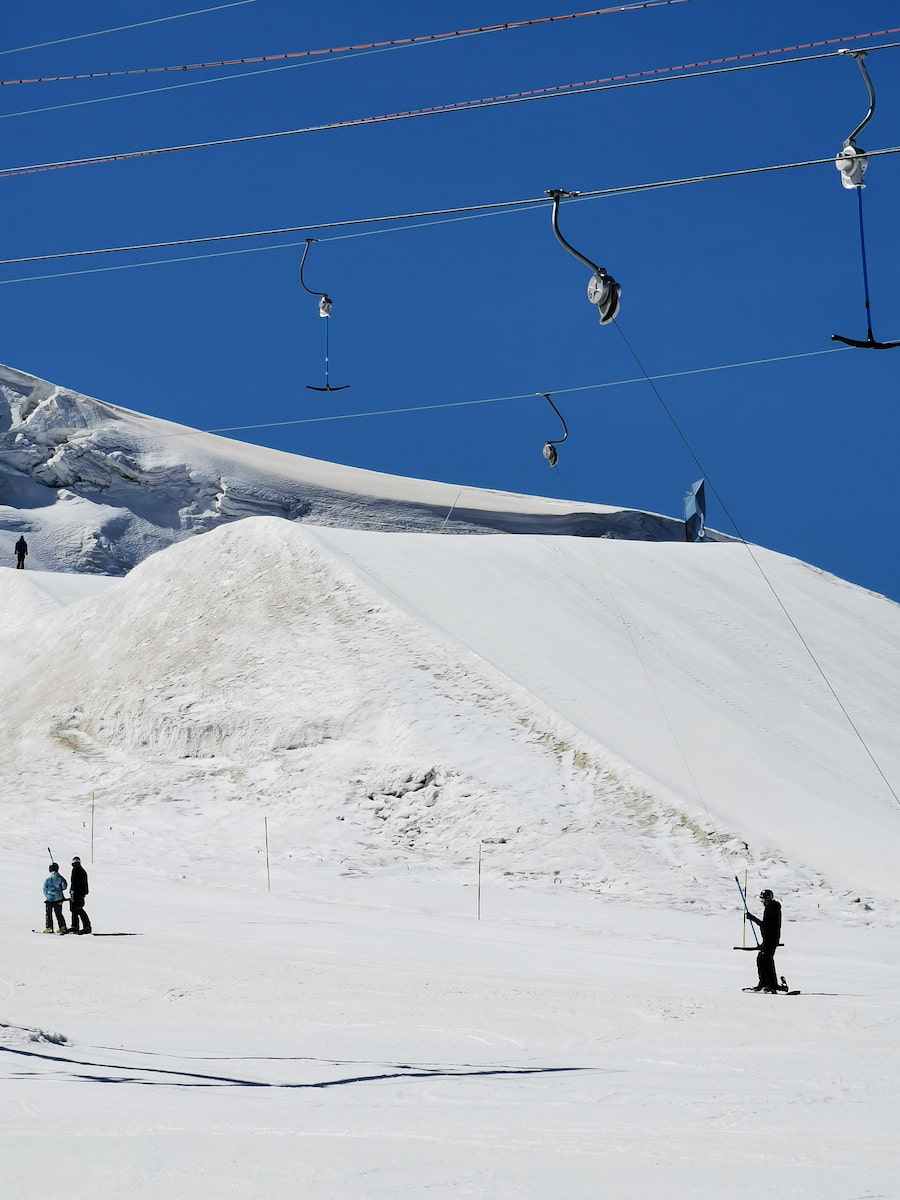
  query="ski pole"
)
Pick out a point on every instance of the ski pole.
point(746, 911)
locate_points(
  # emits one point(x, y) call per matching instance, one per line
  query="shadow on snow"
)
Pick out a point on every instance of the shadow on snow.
point(197, 1079)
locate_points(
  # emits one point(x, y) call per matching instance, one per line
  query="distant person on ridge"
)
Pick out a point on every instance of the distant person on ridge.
point(770, 928)
point(54, 894)
point(21, 551)
point(77, 893)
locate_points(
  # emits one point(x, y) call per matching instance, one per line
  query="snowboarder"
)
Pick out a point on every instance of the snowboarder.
point(77, 892)
point(21, 551)
point(54, 894)
point(770, 928)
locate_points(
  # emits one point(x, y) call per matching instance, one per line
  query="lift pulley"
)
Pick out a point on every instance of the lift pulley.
point(549, 451)
point(602, 289)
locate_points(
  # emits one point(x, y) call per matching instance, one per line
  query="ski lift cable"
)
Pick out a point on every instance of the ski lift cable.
point(648, 676)
point(388, 44)
point(417, 408)
point(636, 77)
point(174, 87)
point(781, 604)
point(345, 56)
point(456, 106)
point(651, 683)
point(78, 37)
point(468, 214)
point(718, 839)
point(499, 208)
point(400, 43)
point(721, 841)
point(450, 511)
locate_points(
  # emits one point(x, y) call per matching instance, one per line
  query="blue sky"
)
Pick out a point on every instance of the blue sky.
point(451, 312)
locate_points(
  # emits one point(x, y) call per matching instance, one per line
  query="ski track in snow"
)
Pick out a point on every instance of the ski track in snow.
point(356, 1037)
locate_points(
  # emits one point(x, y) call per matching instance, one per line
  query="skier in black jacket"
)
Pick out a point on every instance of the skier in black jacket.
point(77, 893)
point(21, 551)
point(770, 928)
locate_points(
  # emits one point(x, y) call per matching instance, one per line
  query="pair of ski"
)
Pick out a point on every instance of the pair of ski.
point(56, 931)
point(783, 990)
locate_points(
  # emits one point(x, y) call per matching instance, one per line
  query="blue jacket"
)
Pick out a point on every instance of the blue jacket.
point(54, 886)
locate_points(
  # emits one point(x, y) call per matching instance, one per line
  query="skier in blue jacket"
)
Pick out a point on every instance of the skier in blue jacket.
point(54, 894)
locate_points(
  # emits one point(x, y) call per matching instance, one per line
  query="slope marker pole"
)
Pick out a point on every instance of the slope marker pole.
point(268, 876)
point(478, 889)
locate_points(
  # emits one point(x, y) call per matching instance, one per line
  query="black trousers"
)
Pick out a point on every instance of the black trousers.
point(51, 907)
point(78, 914)
point(765, 965)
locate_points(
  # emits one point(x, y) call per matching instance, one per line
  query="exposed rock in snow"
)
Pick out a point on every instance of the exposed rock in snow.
point(98, 488)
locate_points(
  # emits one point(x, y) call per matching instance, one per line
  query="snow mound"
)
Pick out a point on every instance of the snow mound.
point(623, 717)
point(249, 668)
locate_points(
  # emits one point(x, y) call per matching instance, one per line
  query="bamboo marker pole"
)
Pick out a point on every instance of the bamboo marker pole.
point(744, 942)
point(92, 828)
point(478, 890)
point(268, 875)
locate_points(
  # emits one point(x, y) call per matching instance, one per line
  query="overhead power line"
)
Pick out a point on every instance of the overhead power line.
point(341, 54)
point(660, 76)
point(171, 87)
point(331, 50)
point(632, 78)
point(197, 12)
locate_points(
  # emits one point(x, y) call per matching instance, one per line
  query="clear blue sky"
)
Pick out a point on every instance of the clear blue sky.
point(801, 452)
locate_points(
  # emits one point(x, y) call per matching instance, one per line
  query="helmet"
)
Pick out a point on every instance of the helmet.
point(54, 866)
point(76, 859)
point(767, 894)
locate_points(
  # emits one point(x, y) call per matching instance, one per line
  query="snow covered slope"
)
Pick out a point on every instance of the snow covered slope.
point(637, 719)
point(288, 748)
point(97, 488)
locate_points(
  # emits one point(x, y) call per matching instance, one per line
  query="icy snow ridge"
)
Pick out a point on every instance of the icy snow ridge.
point(104, 487)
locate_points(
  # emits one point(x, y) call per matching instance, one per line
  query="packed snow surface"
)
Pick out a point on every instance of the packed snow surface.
point(413, 857)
